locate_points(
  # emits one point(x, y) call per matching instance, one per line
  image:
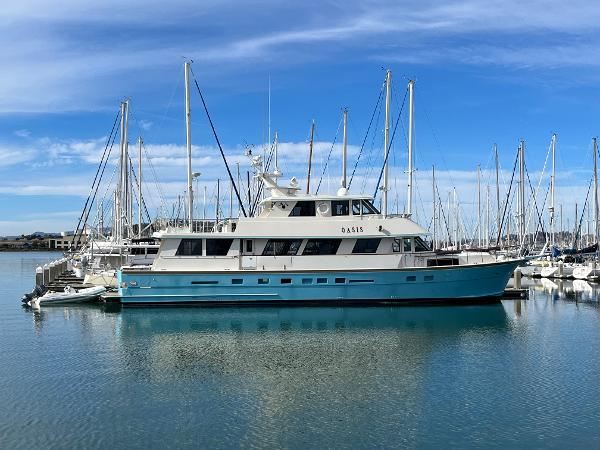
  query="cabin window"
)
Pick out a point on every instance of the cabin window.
point(340, 280)
point(442, 262)
point(366, 245)
point(303, 209)
point(396, 245)
point(263, 281)
point(340, 208)
point(189, 247)
point(249, 246)
point(321, 280)
point(286, 281)
point(218, 247)
point(307, 280)
point(365, 206)
point(321, 247)
point(420, 245)
point(282, 247)
point(407, 245)
point(237, 281)
point(411, 278)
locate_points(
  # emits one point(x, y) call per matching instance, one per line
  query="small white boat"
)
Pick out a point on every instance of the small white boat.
point(69, 295)
point(586, 272)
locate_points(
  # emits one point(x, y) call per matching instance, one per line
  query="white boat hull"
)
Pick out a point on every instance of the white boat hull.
point(56, 298)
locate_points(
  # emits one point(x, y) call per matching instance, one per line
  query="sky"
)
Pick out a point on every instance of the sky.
point(486, 72)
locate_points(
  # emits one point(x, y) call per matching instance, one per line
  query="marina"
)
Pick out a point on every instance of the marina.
point(285, 377)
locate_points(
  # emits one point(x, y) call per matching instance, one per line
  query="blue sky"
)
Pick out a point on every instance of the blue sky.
point(485, 72)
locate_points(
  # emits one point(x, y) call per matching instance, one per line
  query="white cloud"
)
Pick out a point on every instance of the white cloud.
point(12, 156)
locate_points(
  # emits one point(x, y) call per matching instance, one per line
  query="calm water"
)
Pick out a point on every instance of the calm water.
point(521, 374)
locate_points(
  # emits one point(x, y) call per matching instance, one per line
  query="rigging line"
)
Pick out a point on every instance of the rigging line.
point(585, 205)
point(533, 196)
point(369, 166)
point(329, 155)
point(366, 136)
point(94, 182)
point(507, 200)
point(135, 179)
point(390, 145)
point(98, 185)
point(237, 193)
point(156, 182)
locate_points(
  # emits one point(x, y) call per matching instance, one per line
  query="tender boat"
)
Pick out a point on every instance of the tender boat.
point(69, 295)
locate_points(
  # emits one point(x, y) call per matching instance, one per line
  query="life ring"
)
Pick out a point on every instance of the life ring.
point(323, 208)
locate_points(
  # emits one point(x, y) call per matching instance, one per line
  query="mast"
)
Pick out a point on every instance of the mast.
point(188, 141)
point(596, 224)
point(487, 217)
point(345, 150)
point(456, 223)
point(479, 225)
point(218, 200)
point(118, 206)
point(140, 187)
point(310, 152)
point(411, 125)
point(521, 192)
point(552, 189)
point(497, 194)
point(386, 139)
point(434, 204)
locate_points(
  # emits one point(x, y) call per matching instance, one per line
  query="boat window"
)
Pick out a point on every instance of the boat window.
point(237, 281)
point(286, 281)
point(368, 206)
point(411, 278)
point(340, 280)
point(366, 245)
point(365, 205)
point(218, 247)
point(420, 245)
point(396, 247)
point(307, 280)
point(189, 247)
point(263, 281)
point(279, 247)
point(442, 262)
point(406, 245)
point(249, 246)
point(340, 208)
point(321, 280)
point(136, 251)
point(322, 247)
point(303, 209)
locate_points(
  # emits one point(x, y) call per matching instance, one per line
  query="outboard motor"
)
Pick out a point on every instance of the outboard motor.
point(38, 291)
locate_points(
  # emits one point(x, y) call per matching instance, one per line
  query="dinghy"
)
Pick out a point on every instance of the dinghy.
point(69, 295)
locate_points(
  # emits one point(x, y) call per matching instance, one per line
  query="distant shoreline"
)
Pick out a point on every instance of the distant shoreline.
point(29, 250)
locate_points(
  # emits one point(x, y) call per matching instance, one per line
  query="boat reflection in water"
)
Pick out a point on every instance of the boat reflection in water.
point(558, 289)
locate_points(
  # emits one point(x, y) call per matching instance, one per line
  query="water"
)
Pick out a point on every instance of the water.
point(521, 374)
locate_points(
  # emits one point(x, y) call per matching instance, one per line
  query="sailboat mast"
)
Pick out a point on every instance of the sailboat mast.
point(386, 139)
point(345, 150)
point(188, 141)
point(140, 187)
point(411, 125)
point(479, 205)
point(487, 217)
point(521, 192)
point(498, 231)
point(434, 204)
point(552, 189)
point(596, 224)
point(310, 152)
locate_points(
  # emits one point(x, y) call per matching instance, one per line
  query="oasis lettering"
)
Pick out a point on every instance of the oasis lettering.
point(352, 230)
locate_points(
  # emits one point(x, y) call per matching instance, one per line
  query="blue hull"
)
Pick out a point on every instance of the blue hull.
point(483, 281)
